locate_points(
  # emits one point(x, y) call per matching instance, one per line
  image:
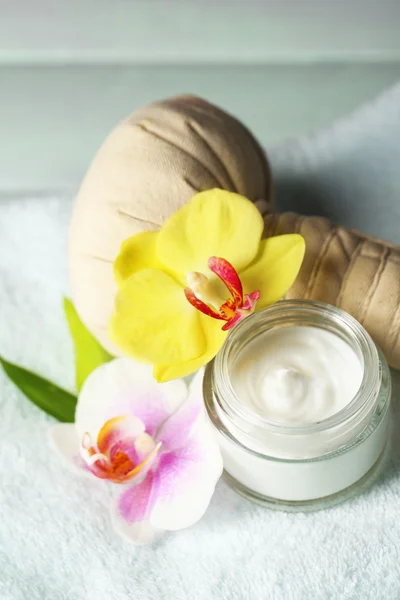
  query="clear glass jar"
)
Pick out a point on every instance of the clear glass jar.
point(323, 463)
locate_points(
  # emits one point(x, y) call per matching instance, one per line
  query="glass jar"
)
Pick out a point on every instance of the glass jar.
point(307, 467)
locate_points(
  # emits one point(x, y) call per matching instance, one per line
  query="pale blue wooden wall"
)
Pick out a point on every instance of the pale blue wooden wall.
point(69, 70)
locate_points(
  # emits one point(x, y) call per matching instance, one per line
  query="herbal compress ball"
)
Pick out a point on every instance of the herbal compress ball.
point(149, 166)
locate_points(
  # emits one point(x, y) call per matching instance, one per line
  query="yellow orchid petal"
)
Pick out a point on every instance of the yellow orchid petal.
point(137, 253)
point(212, 223)
point(153, 322)
point(275, 268)
point(215, 337)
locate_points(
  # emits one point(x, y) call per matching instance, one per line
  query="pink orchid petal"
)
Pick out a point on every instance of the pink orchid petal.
point(175, 431)
point(185, 481)
point(200, 305)
point(149, 408)
point(177, 494)
point(125, 387)
point(226, 272)
point(135, 504)
point(139, 533)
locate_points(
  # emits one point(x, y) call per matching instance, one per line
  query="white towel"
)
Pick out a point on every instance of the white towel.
point(56, 540)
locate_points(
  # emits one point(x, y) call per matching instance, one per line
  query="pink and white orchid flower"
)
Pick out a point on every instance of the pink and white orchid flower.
point(150, 440)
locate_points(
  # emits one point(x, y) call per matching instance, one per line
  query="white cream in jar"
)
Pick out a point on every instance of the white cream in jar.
point(299, 398)
point(297, 375)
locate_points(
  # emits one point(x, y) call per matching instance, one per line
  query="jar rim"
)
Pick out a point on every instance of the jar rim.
point(285, 313)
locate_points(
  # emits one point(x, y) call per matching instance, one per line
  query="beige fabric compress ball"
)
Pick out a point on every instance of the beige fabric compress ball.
point(148, 167)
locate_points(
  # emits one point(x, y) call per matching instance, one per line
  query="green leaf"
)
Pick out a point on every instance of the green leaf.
point(46, 395)
point(88, 352)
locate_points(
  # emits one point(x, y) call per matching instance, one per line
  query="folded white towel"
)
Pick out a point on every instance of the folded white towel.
point(56, 541)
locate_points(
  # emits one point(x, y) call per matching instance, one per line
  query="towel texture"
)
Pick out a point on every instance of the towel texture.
point(56, 540)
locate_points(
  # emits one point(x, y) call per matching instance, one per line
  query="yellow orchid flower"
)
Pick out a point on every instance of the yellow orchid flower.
point(206, 267)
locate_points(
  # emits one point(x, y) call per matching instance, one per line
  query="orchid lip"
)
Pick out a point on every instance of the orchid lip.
point(202, 296)
point(118, 466)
